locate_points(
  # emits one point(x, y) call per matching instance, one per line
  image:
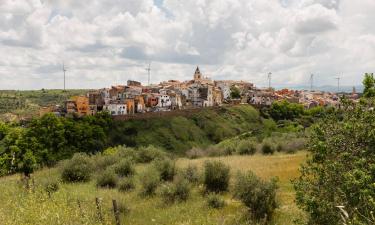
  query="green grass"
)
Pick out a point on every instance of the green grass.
point(19, 206)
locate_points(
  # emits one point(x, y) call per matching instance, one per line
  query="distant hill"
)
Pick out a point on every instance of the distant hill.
point(327, 88)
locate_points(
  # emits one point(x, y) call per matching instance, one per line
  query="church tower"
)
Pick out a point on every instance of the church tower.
point(197, 74)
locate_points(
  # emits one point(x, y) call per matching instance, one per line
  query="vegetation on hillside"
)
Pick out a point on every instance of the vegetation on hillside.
point(27, 103)
point(336, 185)
point(147, 199)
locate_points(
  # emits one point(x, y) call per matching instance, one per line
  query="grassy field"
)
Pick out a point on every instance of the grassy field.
point(75, 203)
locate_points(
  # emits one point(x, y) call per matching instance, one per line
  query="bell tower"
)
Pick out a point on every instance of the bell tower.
point(197, 74)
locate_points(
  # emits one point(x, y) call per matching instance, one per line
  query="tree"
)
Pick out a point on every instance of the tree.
point(284, 110)
point(235, 92)
point(369, 85)
point(340, 171)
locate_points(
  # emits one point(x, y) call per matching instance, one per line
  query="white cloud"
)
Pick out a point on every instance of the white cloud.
point(105, 42)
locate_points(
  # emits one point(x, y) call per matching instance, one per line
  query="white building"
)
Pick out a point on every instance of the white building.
point(164, 101)
point(116, 109)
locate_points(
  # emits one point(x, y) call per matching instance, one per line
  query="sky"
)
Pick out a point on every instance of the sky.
point(103, 43)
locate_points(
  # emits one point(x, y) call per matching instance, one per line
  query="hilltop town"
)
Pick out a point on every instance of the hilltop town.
point(199, 92)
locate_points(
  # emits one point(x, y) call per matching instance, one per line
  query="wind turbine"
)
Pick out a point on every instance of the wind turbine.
point(338, 84)
point(269, 80)
point(148, 69)
point(64, 70)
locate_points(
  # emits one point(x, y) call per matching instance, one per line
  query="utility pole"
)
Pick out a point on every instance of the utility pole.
point(311, 82)
point(64, 70)
point(148, 69)
point(338, 84)
point(269, 80)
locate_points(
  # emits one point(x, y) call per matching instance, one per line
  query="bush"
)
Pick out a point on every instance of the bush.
point(246, 147)
point(107, 179)
point(124, 168)
point(340, 169)
point(195, 153)
point(215, 201)
point(166, 169)
point(267, 149)
point(149, 180)
point(179, 190)
point(51, 185)
point(259, 196)
point(77, 169)
point(191, 174)
point(101, 162)
point(149, 154)
point(216, 176)
point(126, 184)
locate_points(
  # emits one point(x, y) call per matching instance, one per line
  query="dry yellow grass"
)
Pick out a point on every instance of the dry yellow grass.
point(23, 207)
point(283, 166)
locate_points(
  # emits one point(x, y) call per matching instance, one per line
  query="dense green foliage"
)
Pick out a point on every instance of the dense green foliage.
point(235, 93)
point(216, 176)
point(258, 195)
point(107, 179)
point(178, 134)
point(179, 190)
point(341, 169)
point(77, 169)
point(124, 168)
point(27, 103)
point(215, 201)
point(369, 85)
point(46, 140)
point(166, 169)
point(150, 180)
point(284, 110)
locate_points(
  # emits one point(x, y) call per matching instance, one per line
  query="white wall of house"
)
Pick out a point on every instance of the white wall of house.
point(116, 109)
point(164, 101)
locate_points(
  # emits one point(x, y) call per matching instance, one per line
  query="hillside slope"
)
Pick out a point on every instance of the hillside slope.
point(177, 134)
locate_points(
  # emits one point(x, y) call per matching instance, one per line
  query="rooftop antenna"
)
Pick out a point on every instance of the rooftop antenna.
point(338, 84)
point(64, 70)
point(269, 80)
point(148, 69)
point(311, 82)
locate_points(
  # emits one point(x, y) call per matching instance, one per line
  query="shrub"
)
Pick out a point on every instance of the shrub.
point(51, 185)
point(149, 180)
point(267, 149)
point(191, 174)
point(215, 201)
point(101, 162)
point(259, 196)
point(107, 179)
point(148, 154)
point(124, 168)
point(340, 169)
point(122, 207)
point(246, 147)
point(195, 153)
point(216, 176)
point(166, 169)
point(126, 184)
point(279, 147)
point(77, 169)
point(179, 190)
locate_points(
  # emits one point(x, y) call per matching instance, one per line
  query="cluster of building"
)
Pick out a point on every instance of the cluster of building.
point(168, 95)
point(196, 93)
